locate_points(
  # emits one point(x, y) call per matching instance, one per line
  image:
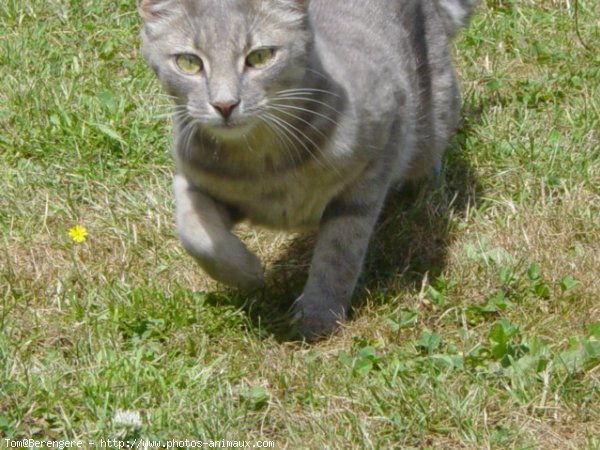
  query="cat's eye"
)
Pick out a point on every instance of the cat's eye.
point(260, 58)
point(189, 64)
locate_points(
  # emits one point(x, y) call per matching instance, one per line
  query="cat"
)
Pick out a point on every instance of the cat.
point(301, 114)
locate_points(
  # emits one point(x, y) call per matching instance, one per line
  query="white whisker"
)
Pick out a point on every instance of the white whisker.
point(298, 135)
point(307, 91)
point(289, 130)
point(187, 133)
point(307, 99)
point(281, 134)
point(310, 111)
point(296, 117)
point(321, 74)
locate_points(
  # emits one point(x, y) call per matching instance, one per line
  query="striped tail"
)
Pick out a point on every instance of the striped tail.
point(456, 13)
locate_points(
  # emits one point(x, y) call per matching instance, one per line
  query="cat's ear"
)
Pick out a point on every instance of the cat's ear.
point(297, 5)
point(151, 10)
point(303, 4)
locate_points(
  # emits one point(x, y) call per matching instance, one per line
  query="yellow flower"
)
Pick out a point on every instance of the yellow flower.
point(78, 234)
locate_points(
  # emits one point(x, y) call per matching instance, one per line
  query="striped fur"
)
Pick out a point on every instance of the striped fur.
point(358, 96)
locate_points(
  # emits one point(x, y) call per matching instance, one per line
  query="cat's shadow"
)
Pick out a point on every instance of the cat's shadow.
point(410, 242)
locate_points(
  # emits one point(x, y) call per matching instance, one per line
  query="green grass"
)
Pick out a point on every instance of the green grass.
point(478, 317)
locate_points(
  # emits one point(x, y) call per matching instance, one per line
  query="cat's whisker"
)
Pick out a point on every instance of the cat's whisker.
point(157, 95)
point(157, 100)
point(307, 99)
point(160, 116)
point(178, 107)
point(309, 111)
point(304, 88)
point(289, 132)
point(311, 91)
point(194, 112)
point(167, 111)
point(280, 136)
point(311, 125)
point(297, 117)
point(181, 119)
point(184, 139)
point(319, 73)
point(323, 155)
point(188, 132)
point(168, 96)
point(280, 131)
point(191, 131)
point(299, 135)
point(248, 146)
point(174, 112)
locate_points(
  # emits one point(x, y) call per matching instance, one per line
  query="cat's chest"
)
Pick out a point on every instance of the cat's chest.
point(295, 199)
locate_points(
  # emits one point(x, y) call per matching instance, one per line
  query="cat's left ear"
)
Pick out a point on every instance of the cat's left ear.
point(151, 10)
point(303, 4)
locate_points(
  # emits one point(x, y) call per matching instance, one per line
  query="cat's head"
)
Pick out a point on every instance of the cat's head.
point(224, 59)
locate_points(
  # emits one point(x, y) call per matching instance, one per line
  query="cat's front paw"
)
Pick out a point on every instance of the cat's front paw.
point(314, 320)
point(241, 269)
point(226, 260)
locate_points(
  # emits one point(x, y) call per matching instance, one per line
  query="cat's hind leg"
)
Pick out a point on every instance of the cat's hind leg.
point(204, 226)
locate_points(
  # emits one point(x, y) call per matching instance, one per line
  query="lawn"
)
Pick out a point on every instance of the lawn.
point(476, 322)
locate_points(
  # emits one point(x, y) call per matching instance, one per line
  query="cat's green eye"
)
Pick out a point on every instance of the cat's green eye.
point(189, 64)
point(260, 58)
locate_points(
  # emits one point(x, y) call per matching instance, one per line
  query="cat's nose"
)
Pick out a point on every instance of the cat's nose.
point(225, 108)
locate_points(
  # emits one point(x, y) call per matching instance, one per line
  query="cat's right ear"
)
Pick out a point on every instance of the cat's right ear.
point(152, 10)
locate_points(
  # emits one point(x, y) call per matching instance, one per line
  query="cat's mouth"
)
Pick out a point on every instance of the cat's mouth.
point(230, 130)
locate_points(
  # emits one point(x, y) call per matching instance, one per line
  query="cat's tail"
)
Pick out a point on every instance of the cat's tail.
point(456, 13)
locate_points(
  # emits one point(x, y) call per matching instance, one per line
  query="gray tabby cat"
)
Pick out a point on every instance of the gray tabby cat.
point(297, 115)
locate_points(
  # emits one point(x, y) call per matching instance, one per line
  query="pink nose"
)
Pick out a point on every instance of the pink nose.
point(225, 108)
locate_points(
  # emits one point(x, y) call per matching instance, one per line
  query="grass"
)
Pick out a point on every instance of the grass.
point(477, 322)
